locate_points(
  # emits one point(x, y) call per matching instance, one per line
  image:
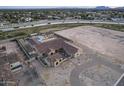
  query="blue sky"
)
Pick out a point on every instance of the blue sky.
point(84, 3)
point(34, 7)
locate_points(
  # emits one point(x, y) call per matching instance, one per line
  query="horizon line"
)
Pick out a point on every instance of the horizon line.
point(39, 7)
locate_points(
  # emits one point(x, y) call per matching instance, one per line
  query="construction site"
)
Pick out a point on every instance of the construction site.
point(21, 54)
point(81, 56)
point(10, 62)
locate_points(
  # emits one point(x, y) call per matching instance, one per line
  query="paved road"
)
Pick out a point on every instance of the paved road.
point(120, 81)
point(45, 22)
point(74, 77)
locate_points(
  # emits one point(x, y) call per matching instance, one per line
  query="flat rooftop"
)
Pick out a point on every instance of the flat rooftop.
point(104, 41)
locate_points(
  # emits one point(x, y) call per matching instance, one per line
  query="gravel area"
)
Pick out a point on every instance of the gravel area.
point(105, 41)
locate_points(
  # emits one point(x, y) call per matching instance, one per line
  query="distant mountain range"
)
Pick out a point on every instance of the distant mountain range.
point(102, 7)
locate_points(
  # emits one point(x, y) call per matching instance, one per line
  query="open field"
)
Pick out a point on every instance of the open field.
point(104, 41)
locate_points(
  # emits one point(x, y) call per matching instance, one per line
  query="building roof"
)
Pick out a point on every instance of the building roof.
point(36, 40)
point(61, 48)
point(56, 44)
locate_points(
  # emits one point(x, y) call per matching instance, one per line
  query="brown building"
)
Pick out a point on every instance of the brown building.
point(54, 52)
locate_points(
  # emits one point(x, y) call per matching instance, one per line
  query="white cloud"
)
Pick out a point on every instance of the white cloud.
point(61, 2)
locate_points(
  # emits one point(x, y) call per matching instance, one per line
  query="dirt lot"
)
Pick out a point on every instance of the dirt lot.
point(105, 41)
point(101, 62)
point(98, 75)
point(10, 47)
point(90, 68)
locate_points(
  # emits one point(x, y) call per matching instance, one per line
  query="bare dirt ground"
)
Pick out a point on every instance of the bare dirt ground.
point(90, 68)
point(93, 68)
point(10, 47)
point(104, 41)
point(98, 75)
point(100, 64)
